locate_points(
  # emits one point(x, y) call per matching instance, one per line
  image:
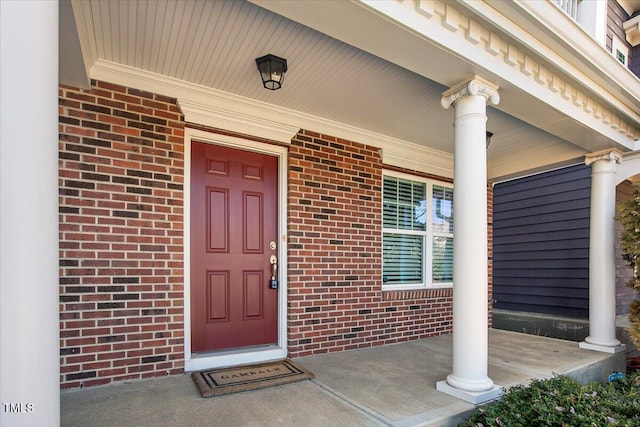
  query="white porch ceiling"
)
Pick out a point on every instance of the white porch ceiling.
point(215, 43)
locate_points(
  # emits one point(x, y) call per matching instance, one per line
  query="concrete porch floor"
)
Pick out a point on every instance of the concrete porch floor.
point(382, 386)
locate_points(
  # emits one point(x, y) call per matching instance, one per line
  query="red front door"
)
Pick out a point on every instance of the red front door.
point(233, 235)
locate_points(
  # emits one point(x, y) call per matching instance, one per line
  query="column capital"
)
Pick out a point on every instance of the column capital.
point(474, 86)
point(609, 155)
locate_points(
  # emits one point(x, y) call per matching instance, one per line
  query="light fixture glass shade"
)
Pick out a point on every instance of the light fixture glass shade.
point(272, 69)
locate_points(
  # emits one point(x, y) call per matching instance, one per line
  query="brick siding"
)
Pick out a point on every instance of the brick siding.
point(121, 243)
point(336, 300)
point(121, 235)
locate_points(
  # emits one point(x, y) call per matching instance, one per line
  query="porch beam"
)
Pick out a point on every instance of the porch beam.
point(629, 167)
point(469, 380)
point(602, 263)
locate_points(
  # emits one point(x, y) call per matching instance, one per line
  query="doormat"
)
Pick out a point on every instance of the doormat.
point(217, 382)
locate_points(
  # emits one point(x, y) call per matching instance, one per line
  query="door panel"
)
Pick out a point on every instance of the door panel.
point(252, 229)
point(253, 294)
point(217, 220)
point(233, 221)
point(217, 296)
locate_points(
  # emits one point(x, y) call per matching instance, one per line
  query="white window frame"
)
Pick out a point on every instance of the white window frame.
point(428, 235)
point(619, 45)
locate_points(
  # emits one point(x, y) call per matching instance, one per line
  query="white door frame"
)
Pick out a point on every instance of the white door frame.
point(214, 359)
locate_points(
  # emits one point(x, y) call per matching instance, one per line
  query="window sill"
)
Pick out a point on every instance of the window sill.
point(416, 287)
point(419, 293)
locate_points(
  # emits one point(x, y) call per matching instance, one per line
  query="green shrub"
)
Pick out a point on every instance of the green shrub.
point(562, 401)
point(629, 218)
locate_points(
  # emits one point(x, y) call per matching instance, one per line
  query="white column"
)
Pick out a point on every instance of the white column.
point(29, 343)
point(469, 380)
point(602, 263)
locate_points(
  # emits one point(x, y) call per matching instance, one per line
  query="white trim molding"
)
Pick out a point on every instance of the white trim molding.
point(242, 120)
point(632, 30)
point(85, 33)
point(598, 99)
point(419, 158)
point(629, 6)
point(613, 154)
point(474, 86)
point(629, 167)
point(223, 110)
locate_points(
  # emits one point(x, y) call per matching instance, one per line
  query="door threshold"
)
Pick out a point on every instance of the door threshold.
point(234, 357)
point(235, 351)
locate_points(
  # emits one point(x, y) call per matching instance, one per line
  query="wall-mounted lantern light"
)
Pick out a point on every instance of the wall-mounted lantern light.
point(272, 69)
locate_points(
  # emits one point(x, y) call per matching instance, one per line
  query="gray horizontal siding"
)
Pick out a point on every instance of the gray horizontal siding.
point(616, 16)
point(541, 243)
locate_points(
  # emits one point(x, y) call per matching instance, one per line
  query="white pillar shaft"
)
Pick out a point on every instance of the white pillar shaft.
point(29, 343)
point(602, 268)
point(470, 286)
point(468, 379)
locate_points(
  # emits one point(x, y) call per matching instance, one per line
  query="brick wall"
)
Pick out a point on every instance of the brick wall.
point(121, 235)
point(335, 255)
point(121, 243)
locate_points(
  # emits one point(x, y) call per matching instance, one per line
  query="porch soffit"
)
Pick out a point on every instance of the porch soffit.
point(202, 53)
point(535, 82)
point(222, 110)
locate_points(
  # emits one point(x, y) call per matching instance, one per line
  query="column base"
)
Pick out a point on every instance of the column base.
point(474, 397)
point(603, 348)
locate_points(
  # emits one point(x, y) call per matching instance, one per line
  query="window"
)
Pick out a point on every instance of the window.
point(569, 6)
point(417, 232)
point(620, 51)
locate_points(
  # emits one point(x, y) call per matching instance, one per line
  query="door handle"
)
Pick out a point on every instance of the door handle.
point(273, 283)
